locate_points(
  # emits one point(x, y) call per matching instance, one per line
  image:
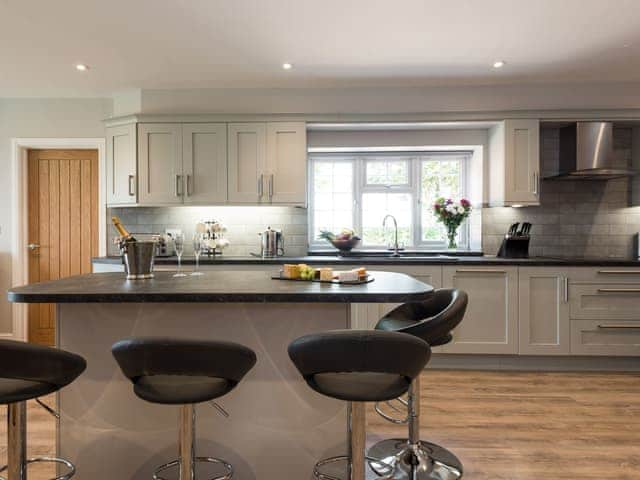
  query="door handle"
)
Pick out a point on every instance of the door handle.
point(619, 290)
point(480, 271)
point(189, 185)
point(178, 185)
point(132, 186)
point(260, 186)
point(270, 186)
point(33, 246)
point(619, 272)
point(618, 326)
point(536, 183)
point(566, 289)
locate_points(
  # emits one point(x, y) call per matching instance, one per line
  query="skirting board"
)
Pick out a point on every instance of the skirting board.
point(534, 363)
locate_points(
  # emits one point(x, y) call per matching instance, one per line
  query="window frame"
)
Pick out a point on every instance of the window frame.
point(414, 188)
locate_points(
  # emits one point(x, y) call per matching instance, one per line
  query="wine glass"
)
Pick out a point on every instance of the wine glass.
point(178, 241)
point(197, 250)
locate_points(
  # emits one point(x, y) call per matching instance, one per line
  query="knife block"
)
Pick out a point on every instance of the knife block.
point(515, 247)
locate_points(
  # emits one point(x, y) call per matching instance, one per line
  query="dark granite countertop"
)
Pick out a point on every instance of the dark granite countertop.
point(218, 287)
point(385, 260)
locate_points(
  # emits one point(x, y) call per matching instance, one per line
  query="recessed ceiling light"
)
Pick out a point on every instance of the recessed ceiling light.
point(499, 64)
point(81, 67)
point(287, 66)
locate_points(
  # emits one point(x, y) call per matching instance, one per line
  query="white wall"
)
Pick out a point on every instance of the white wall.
point(37, 118)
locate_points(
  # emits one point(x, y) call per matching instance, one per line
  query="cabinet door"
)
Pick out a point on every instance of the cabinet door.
point(121, 165)
point(522, 161)
point(161, 180)
point(490, 324)
point(287, 162)
point(543, 311)
point(204, 162)
point(247, 162)
point(598, 337)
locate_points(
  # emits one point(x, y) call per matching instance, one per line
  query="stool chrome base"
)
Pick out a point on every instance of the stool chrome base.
point(176, 463)
point(66, 463)
point(422, 461)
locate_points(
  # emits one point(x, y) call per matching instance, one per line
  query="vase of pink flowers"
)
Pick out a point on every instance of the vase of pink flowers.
point(451, 214)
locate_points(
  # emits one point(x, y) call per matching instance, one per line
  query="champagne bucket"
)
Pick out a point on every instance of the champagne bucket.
point(138, 259)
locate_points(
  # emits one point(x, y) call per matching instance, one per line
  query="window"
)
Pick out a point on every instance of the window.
point(358, 191)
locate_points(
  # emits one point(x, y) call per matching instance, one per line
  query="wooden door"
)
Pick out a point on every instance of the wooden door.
point(543, 311)
point(287, 162)
point(491, 322)
point(204, 160)
point(160, 178)
point(63, 224)
point(247, 162)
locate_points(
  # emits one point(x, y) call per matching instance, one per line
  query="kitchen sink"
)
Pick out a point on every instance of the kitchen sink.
point(402, 255)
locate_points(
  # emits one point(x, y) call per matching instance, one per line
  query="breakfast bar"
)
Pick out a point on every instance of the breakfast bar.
point(276, 427)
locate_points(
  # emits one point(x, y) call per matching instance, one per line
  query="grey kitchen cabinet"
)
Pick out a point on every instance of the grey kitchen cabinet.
point(604, 301)
point(121, 167)
point(514, 148)
point(204, 163)
point(160, 177)
point(247, 162)
point(543, 311)
point(267, 163)
point(490, 325)
point(602, 337)
point(287, 162)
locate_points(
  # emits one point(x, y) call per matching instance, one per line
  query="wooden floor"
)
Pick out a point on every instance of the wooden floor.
point(502, 425)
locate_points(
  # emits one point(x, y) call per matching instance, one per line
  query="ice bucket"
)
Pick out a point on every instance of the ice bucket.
point(138, 259)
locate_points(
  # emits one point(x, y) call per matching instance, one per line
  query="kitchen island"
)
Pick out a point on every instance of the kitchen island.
point(278, 427)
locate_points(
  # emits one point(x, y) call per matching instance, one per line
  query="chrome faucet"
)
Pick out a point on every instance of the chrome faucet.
point(395, 226)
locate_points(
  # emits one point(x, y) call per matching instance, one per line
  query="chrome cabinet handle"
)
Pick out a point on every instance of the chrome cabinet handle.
point(260, 189)
point(618, 326)
point(480, 271)
point(619, 290)
point(132, 185)
point(33, 246)
point(270, 186)
point(178, 185)
point(189, 185)
point(619, 272)
point(536, 183)
point(566, 289)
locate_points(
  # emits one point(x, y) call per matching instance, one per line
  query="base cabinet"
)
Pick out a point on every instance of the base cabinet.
point(543, 311)
point(490, 325)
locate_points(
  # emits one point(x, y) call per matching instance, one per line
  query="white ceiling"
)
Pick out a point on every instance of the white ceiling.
point(242, 43)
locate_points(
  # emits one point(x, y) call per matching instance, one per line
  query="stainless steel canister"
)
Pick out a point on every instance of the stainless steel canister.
point(272, 243)
point(138, 259)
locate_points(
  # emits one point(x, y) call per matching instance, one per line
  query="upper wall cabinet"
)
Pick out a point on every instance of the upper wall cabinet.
point(160, 174)
point(247, 162)
point(514, 163)
point(159, 164)
point(204, 163)
point(267, 163)
point(287, 162)
point(121, 165)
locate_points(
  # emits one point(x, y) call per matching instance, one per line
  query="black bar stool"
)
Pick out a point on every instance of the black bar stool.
point(29, 371)
point(184, 372)
point(358, 366)
point(415, 459)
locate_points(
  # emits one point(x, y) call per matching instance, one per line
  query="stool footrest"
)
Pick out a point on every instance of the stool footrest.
point(176, 463)
point(66, 463)
point(345, 458)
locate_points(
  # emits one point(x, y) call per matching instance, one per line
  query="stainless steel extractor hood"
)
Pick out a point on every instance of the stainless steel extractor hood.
point(586, 153)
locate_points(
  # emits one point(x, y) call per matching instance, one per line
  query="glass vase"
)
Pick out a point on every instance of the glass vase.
point(452, 234)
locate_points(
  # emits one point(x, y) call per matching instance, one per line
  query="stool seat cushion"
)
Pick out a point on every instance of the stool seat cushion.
point(359, 365)
point(431, 320)
point(28, 371)
point(180, 371)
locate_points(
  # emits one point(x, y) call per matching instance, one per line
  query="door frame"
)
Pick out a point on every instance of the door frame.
point(20, 214)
